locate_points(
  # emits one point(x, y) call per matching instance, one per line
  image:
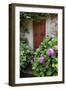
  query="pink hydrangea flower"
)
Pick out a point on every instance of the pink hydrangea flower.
point(50, 52)
point(41, 60)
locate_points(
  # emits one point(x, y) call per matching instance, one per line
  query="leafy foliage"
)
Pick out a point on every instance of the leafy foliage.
point(50, 66)
point(26, 55)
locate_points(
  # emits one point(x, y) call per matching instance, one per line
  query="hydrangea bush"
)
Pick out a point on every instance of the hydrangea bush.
point(46, 58)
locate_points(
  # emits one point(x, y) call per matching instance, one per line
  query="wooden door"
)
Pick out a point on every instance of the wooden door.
point(38, 32)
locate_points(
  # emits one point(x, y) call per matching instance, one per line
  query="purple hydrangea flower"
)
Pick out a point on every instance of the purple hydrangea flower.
point(50, 52)
point(41, 60)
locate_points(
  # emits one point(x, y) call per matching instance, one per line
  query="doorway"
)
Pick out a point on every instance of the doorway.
point(39, 29)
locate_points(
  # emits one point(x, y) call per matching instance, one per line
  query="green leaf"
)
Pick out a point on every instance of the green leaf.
point(41, 74)
point(50, 44)
point(49, 72)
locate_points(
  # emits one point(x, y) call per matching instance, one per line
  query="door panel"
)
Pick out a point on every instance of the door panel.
point(38, 32)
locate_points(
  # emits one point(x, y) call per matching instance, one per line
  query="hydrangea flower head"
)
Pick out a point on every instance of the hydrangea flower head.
point(50, 52)
point(41, 60)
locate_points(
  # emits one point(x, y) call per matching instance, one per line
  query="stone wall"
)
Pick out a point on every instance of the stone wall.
point(54, 25)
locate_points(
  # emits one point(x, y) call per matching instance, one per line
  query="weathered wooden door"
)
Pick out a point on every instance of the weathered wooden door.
point(38, 32)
